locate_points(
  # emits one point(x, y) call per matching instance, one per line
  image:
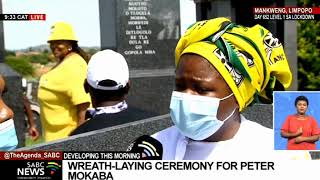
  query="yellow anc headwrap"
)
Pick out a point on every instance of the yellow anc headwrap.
point(250, 59)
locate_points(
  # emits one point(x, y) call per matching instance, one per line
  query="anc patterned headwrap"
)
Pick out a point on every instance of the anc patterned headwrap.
point(250, 60)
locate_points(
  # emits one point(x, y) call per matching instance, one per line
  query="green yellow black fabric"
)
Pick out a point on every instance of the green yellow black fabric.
point(250, 59)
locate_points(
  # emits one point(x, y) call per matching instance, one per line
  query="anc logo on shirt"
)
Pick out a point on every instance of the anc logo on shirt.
point(270, 43)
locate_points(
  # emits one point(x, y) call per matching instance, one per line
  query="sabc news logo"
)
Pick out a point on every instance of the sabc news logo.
point(53, 167)
point(150, 148)
point(39, 169)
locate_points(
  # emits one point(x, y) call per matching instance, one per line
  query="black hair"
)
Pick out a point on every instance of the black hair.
point(5, 89)
point(301, 98)
point(78, 50)
point(107, 95)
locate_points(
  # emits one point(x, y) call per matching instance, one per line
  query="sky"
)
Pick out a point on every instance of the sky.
point(82, 14)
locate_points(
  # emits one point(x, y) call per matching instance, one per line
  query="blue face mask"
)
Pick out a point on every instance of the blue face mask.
point(196, 116)
point(8, 137)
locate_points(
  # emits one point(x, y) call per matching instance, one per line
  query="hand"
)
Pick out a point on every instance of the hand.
point(299, 131)
point(34, 133)
point(298, 139)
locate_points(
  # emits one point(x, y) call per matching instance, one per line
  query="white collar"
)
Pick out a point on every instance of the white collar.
point(108, 109)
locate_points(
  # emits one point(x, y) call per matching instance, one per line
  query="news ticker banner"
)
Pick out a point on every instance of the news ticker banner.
point(286, 13)
point(22, 17)
point(128, 165)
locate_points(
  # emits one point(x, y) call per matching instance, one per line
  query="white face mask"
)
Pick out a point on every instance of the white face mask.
point(196, 116)
point(8, 137)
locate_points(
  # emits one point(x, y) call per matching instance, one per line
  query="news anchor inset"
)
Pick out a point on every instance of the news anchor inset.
point(300, 129)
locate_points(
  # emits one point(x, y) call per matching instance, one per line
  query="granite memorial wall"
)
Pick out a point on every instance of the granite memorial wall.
point(145, 32)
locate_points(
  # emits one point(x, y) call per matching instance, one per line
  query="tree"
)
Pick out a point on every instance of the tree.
point(20, 64)
point(38, 58)
point(309, 51)
point(9, 53)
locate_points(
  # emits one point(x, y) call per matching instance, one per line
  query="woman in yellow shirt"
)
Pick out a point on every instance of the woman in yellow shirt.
point(63, 100)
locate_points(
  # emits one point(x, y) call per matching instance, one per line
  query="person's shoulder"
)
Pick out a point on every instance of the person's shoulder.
point(311, 118)
point(249, 124)
point(291, 116)
point(94, 123)
point(100, 116)
point(251, 128)
point(75, 59)
point(83, 128)
point(170, 139)
point(138, 113)
point(74, 65)
point(254, 136)
point(127, 115)
point(166, 134)
point(73, 55)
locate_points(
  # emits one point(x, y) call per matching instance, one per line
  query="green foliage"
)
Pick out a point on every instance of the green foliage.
point(308, 3)
point(38, 58)
point(20, 64)
point(92, 51)
point(308, 52)
point(9, 53)
point(30, 142)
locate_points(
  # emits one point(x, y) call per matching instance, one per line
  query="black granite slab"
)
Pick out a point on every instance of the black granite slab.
point(146, 32)
point(116, 138)
point(151, 90)
point(260, 113)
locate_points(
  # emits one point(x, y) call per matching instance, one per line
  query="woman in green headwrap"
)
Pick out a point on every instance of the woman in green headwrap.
point(221, 68)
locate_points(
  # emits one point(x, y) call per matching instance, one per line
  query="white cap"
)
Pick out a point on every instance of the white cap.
point(107, 65)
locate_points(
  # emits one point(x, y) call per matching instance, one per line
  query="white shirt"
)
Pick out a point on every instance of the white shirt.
point(252, 140)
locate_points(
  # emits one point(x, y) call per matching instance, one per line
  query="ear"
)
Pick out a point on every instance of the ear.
point(86, 86)
point(127, 87)
point(69, 45)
